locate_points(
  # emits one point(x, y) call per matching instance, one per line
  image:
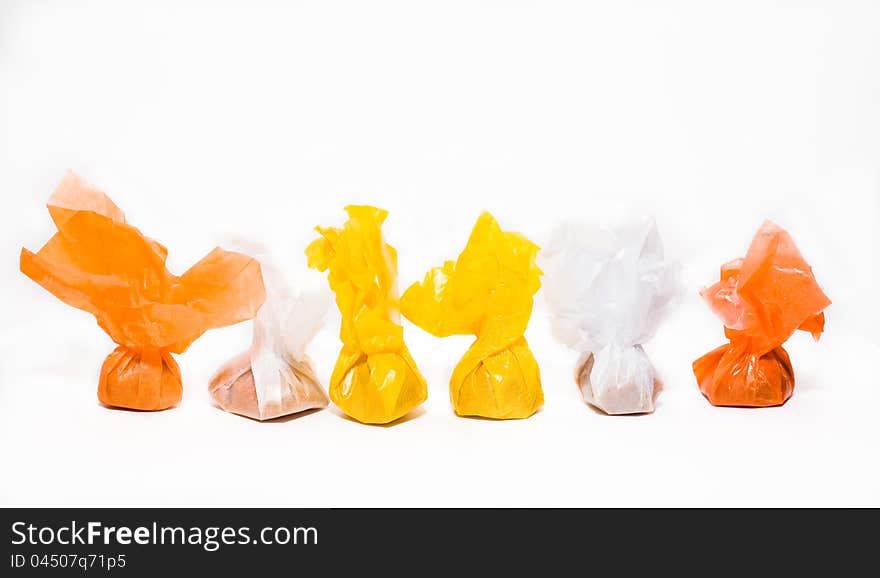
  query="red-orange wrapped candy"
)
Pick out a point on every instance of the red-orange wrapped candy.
point(762, 300)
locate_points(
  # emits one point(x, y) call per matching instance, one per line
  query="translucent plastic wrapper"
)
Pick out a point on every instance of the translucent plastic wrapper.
point(275, 377)
point(98, 263)
point(762, 300)
point(375, 379)
point(487, 292)
point(607, 290)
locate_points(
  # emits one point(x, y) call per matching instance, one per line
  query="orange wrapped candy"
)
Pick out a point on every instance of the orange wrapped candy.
point(98, 263)
point(762, 300)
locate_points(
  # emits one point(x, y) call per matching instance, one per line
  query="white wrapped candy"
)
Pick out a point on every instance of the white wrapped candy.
point(607, 290)
point(275, 377)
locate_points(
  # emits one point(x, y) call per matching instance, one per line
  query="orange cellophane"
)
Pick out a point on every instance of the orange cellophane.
point(762, 300)
point(98, 263)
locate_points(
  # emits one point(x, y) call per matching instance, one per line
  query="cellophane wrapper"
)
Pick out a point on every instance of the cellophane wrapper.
point(275, 377)
point(607, 290)
point(762, 299)
point(375, 379)
point(98, 263)
point(487, 292)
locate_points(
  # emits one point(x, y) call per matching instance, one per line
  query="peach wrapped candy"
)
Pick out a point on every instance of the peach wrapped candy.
point(98, 263)
point(275, 377)
point(487, 292)
point(762, 300)
point(375, 379)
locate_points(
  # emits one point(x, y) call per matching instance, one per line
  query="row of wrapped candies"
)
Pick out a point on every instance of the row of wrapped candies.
point(607, 290)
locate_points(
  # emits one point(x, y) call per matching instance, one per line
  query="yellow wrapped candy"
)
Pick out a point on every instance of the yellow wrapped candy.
point(375, 379)
point(488, 293)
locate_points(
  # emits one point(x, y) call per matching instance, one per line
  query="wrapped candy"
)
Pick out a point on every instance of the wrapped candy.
point(375, 379)
point(98, 263)
point(762, 300)
point(275, 377)
point(607, 290)
point(487, 292)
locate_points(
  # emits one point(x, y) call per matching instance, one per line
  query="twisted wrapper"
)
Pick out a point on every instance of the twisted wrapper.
point(607, 290)
point(275, 377)
point(762, 300)
point(487, 292)
point(98, 263)
point(375, 379)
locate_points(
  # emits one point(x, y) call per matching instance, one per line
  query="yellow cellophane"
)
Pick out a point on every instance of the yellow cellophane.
point(487, 292)
point(375, 379)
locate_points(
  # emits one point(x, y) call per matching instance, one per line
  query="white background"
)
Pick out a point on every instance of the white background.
point(203, 120)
